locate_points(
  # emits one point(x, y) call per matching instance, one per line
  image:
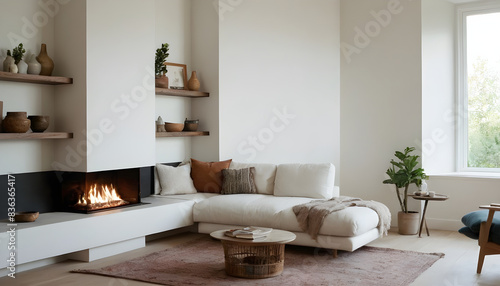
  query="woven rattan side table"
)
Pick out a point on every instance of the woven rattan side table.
point(260, 258)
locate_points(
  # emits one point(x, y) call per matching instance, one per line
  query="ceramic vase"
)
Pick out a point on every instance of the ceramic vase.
point(193, 82)
point(160, 125)
point(34, 67)
point(16, 122)
point(39, 123)
point(46, 62)
point(7, 62)
point(22, 67)
point(13, 68)
point(161, 81)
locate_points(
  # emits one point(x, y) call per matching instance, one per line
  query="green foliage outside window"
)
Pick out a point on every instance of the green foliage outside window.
point(484, 116)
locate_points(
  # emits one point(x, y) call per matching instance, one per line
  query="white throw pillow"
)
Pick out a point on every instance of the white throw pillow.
point(305, 180)
point(175, 180)
point(264, 175)
point(157, 182)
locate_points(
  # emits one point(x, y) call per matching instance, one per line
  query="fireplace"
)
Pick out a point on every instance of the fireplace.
point(97, 191)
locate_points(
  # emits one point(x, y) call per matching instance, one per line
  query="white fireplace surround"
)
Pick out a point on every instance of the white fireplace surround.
point(59, 236)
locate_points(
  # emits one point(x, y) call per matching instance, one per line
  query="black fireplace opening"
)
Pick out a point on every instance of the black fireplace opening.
point(98, 191)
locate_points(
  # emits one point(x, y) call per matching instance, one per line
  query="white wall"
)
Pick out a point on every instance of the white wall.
point(438, 86)
point(16, 26)
point(173, 28)
point(279, 81)
point(120, 84)
point(381, 102)
point(205, 60)
point(466, 193)
point(71, 100)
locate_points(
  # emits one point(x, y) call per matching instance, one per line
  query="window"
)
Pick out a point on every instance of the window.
point(479, 88)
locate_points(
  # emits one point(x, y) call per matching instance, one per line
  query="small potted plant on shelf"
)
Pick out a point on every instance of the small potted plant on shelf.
point(17, 54)
point(402, 174)
point(161, 80)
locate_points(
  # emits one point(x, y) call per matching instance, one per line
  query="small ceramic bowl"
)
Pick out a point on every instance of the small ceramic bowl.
point(174, 127)
point(191, 125)
point(39, 123)
point(26, 216)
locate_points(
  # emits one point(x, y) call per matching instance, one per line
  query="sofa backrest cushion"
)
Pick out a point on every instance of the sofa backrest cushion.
point(207, 176)
point(175, 180)
point(305, 180)
point(264, 175)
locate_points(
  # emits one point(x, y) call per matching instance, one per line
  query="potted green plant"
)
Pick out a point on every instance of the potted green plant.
point(161, 80)
point(402, 174)
point(17, 54)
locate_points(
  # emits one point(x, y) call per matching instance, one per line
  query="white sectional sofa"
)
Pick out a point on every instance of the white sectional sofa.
point(279, 189)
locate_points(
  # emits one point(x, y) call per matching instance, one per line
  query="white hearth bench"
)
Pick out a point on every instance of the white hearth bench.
point(59, 236)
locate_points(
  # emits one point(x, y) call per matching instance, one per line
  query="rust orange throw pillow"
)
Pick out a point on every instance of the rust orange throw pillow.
point(207, 176)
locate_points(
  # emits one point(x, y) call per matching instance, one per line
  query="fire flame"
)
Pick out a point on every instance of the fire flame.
point(100, 195)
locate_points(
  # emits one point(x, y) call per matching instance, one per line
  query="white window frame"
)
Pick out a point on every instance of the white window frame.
point(462, 78)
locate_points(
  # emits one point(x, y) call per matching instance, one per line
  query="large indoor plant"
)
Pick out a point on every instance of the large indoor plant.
point(402, 174)
point(161, 80)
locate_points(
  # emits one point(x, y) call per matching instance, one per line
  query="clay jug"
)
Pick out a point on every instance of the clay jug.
point(46, 62)
point(16, 122)
point(193, 82)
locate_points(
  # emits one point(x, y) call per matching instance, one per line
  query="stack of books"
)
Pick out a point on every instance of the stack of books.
point(249, 232)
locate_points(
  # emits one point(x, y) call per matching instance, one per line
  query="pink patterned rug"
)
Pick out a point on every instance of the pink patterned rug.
point(201, 262)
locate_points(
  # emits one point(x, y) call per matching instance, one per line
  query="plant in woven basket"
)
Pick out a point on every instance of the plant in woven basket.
point(403, 173)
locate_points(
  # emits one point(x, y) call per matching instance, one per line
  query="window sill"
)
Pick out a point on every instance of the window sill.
point(467, 175)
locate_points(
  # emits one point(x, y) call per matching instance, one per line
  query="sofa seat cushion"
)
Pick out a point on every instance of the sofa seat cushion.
point(276, 212)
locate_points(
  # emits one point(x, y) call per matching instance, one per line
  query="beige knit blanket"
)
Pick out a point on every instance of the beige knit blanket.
point(311, 215)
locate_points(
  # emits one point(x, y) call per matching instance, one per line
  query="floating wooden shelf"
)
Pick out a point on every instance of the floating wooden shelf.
point(181, 92)
point(182, 134)
point(30, 78)
point(35, 136)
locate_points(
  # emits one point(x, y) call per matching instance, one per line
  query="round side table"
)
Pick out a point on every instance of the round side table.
point(427, 199)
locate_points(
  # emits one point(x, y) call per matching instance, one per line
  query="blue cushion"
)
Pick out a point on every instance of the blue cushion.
point(469, 233)
point(473, 220)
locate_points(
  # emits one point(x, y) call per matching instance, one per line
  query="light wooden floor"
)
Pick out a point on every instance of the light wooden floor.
point(457, 268)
